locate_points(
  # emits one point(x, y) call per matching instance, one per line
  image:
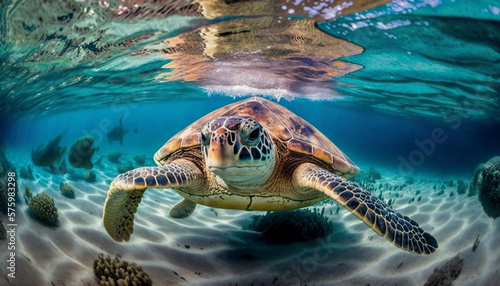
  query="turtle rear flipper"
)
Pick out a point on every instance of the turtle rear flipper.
point(398, 229)
point(126, 190)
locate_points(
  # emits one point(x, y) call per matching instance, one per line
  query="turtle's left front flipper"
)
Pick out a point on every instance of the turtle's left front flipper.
point(126, 190)
point(398, 229)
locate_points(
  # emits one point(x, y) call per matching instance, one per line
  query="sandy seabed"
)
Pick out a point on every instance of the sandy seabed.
point(214, 246)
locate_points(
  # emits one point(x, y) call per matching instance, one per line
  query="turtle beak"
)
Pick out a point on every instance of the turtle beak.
point(219, 153)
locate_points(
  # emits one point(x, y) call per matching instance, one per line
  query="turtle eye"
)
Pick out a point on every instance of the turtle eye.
point(204, 139)
point(254, 135)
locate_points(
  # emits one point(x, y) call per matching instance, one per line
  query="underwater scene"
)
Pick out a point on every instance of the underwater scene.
point(250, 142)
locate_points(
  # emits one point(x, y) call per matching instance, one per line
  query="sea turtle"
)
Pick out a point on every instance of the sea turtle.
point(255, 155)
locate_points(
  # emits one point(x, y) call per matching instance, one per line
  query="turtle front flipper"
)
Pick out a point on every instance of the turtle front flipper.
point(126, 190)
point(398, 229)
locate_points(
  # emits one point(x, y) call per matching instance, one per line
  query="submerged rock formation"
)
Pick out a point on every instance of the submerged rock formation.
point(445, 275)
point(291, 226)
point(119, 272)
point(486, 183)
point(81, 152)
point(48, 154)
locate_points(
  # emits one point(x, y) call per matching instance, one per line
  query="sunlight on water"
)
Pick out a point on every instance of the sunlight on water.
point(68, 51)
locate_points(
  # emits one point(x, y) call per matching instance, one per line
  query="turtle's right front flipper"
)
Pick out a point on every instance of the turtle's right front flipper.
point(398, 229)
point(126, 190)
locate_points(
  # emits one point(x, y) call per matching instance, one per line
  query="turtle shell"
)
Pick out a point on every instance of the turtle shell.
point(295, 132)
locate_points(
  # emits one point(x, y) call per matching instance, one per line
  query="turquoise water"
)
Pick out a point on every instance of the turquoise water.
point(408, 87)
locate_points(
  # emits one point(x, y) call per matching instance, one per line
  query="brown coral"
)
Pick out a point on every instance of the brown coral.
point(90, 176)
point(116, 271)
point(44, 208)
point(67, 190)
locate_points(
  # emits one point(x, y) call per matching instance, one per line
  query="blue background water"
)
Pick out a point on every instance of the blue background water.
point(368, 138)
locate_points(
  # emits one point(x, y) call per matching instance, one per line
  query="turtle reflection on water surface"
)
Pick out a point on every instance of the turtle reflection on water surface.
point(256, 155)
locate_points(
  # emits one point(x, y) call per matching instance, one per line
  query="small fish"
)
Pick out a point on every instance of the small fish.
point(116, 133)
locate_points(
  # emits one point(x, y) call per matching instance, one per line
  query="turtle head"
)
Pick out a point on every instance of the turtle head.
point(238, 149)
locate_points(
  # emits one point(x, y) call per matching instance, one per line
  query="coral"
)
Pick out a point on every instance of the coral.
point(67, 190)
point(119, 272)
point(27, 194)
point(125, 167)
point(81, 152)
point(44, 208)
point(462, 187)
point(26, 173)
point(291, 226)
point(445, 275)
point(114, 157)
point(90, 176)
point(487, 184)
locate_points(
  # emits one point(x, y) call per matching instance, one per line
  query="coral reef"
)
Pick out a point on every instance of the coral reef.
point(26, 173)
point(291, 226)
point(119, 272)
point(445, 275)
point(44, 208)
point(114, 157)
point(90, 176)
point(81, 152)
point(27, 194)
point(140, 159)
point(125, 167)
point(67, 190)
point(462, 187)
point(48, 154)
point(487, 184)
